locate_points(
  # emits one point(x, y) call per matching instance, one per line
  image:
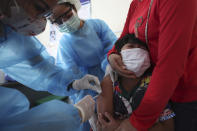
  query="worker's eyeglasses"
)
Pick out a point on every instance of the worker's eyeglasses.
point(58, 20)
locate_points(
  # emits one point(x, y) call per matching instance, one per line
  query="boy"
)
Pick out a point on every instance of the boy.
point(121, 97)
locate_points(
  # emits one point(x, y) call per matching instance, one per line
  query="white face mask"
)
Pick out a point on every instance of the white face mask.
point(71, 25)
point(136, 60)
point(22, 23)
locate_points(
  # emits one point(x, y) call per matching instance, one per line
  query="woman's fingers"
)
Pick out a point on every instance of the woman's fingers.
point(108, 123)
point(120, 63)
point(115, 61)
point(124, 72)
point(109, 117)
point(101, 119)
point(118, 66)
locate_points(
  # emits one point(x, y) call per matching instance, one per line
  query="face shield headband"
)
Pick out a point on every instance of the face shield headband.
point(21, 22)
point(44, 9)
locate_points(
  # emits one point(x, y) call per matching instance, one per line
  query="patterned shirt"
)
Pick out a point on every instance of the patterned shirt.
point(125, 102)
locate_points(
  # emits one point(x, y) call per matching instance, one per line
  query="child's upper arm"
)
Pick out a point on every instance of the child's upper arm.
point(106, 85)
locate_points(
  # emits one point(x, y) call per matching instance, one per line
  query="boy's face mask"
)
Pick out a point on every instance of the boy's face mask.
point(136, 60)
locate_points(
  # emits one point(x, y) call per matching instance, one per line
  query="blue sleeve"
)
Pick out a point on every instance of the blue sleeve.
point(26, 61)
point(107, 37)
point(15, 114)
point(50, 116)
point(40, 73)
point(66, 59)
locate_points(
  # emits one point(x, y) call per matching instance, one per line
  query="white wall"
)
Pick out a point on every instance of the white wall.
point(45, 40)
point(2, 77)
point(113, 12)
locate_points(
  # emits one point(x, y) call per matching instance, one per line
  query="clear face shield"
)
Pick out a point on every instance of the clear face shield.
point(28, 17)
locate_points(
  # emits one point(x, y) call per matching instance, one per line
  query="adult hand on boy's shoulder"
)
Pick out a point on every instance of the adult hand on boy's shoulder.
point(125, 125)
point(110, 125)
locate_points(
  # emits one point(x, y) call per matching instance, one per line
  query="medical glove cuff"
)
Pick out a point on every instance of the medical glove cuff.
point(86, 106)
point(112, 73)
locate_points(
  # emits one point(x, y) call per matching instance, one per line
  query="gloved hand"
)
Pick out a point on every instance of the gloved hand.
point(112, 73)
point(87, 82)
point(117, 64)
point(86, 106)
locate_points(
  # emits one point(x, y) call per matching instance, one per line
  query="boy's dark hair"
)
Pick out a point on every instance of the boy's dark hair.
point(128, 38)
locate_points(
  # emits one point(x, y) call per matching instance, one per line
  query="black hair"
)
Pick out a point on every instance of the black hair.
point(40, 7)
point(128, 38)
point(5, 7)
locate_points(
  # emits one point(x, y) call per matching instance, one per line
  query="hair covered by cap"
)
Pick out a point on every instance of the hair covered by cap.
point(76, 3)
point(4, 7)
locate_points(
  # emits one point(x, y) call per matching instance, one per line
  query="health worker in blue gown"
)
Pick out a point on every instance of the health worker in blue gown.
point(26, 60)
point(84, 44)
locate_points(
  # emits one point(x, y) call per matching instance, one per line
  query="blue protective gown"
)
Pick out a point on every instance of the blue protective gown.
point(25, 59)
point(51, 116)
point(85, 52)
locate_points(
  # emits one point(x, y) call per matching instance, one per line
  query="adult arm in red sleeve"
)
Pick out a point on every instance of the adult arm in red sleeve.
point(126, 26)
point(114, 58)
point(177, 19)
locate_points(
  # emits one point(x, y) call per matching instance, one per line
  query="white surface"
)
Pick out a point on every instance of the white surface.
point(113, 12)
point(2, 77)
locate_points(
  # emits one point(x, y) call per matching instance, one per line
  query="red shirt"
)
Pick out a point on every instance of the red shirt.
point(172, 40)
